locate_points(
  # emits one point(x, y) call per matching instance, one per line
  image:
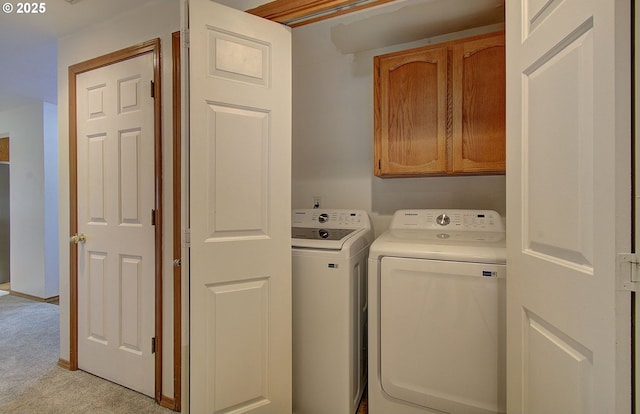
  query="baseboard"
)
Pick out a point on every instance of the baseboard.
point(167, 402)
point(36, 298)
point(63, 363)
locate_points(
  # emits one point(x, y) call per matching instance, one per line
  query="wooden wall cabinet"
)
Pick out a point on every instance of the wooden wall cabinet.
point(4, 149)
point(440, 109)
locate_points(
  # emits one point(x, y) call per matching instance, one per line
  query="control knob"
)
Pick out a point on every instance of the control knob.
point(443, 219)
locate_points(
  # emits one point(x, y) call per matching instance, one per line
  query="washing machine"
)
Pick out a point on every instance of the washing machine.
point(329, 263)
point(437, 334)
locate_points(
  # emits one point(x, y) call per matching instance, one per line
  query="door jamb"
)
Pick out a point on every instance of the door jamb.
point(151, 46)
point(175, 403)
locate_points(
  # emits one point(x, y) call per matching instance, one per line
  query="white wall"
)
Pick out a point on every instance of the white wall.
point(333, 136)
point(31, 130)
point(242, 4)
point(153, 19)
point(51, 233)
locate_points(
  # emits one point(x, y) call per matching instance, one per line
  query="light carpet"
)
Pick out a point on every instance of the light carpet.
point(32, 382)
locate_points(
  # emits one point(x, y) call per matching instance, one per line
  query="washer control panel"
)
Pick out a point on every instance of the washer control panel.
point(454, 220)
point(331, 219)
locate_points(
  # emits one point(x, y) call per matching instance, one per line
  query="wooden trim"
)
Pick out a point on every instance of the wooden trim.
point(157, 103)
point(4, 149)
point(34, 298)
point(284, 11)
point(151, 46)
point(167, 402)
point(63, 363)
point(73, 221)
point(177, 222)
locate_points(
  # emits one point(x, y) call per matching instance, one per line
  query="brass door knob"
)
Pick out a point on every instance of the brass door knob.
point(78, 238)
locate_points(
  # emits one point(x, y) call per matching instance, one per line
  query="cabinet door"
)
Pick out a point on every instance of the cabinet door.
point(411, 113)
point(4, 149)
point(478, 84)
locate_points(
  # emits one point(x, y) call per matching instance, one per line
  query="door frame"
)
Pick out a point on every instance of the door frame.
point(153, 47)
point(176, 403)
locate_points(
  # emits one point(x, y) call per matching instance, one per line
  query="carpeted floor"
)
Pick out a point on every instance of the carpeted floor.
point(32, 382)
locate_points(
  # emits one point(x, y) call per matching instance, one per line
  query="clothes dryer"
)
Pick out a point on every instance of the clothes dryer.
point(437, 314)
point(329, 261)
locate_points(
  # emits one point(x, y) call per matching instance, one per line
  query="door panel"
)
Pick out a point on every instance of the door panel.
point(560, 168)
point(116, 194)
point(238, 190)
point(478, 73)
point(568, 206)
point(411, 118)
point(240, 169)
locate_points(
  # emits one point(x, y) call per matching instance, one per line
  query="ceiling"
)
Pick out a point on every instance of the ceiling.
point(28, 42)
point(28, 46)
point(411, 20)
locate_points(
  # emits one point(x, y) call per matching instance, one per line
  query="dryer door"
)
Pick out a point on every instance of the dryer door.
point(442, 334)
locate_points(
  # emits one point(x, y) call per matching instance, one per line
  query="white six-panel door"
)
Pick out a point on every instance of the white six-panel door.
point(240, 186)
point(568, 205)
point(116, 193)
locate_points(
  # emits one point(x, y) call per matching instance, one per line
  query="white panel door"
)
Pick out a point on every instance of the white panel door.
point(568, 205)
point(240, 178)
point(116, 193)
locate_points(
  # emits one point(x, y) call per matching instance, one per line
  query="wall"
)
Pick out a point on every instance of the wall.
point(153, 19)
point(333, 135)
point(51, 234)
point(32, 129)
point(242, 4)
point(333, 128)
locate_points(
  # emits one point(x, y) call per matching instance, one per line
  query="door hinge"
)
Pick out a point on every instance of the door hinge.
point(153, 345)
point(153, 89)
point(153, 217)
point(627, 269)
point(186, 238)
point(185, 37)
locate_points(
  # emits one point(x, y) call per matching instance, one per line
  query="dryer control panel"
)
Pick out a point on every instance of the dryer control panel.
point(453, 220)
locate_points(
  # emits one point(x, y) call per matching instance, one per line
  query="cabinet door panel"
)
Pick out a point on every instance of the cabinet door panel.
point(411, 108)
point(4, 149)
point(478, 83)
